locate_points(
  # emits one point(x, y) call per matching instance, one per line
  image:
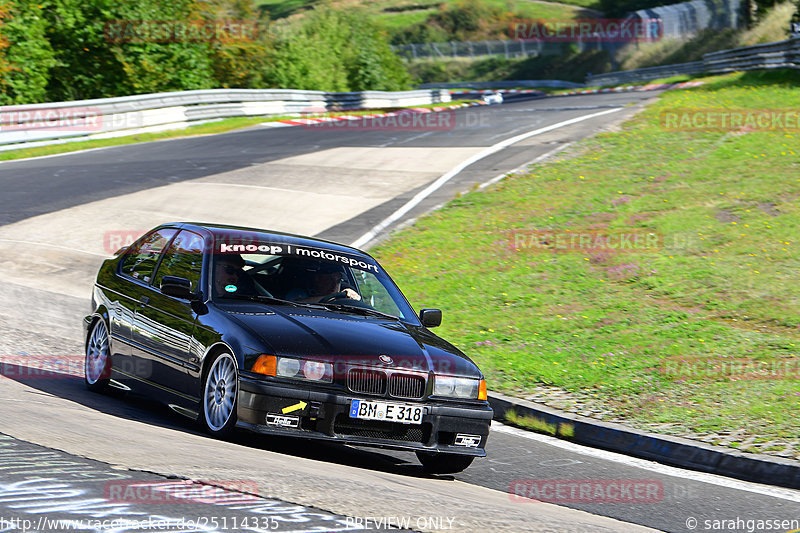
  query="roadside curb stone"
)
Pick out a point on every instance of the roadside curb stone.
point(675, 451)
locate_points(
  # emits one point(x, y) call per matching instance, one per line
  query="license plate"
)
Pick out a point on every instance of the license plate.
point(388, 411)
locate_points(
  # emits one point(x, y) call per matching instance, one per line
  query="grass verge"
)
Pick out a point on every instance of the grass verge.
point(397, 14)
point(698, 335)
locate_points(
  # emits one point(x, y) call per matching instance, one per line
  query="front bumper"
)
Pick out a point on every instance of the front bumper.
point(326, 416)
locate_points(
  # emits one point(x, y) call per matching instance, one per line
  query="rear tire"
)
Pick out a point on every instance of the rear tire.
point(97, 364)
point(444, 463)
point(219, 396)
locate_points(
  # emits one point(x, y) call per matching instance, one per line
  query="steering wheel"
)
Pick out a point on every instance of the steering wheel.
point(331, 297)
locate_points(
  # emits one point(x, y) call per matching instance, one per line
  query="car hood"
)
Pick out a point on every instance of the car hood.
point(358, 340)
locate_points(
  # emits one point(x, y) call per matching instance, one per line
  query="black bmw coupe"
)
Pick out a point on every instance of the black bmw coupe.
point(285, 335)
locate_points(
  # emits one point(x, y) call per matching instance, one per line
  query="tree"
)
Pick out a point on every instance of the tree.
point(28, 56)
point(5, 66)
point(106, 48)
point(336, 50)
point(244, 60)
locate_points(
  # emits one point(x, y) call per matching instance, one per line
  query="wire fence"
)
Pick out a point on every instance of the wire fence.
point(504, 48)
point(674, 21)
point(689, 18)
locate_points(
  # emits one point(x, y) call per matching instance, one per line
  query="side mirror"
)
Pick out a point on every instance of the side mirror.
point(177, 287)
point(430, 318)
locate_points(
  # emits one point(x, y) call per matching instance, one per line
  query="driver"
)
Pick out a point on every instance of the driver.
point(327, 281)
point(229, 276)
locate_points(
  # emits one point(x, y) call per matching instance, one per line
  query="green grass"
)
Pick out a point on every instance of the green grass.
point(539, 425)
point(397, 14)
point(725, 283)
point(283, 8)
point(220, 126)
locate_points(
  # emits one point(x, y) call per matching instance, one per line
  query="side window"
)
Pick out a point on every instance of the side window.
point(140, 262)
point(183, 259)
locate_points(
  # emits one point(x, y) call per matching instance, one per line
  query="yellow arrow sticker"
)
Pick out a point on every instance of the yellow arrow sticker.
point(292, 408)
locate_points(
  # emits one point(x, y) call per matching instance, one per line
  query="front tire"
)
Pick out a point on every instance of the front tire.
point(444, 463)
point(220, 396)
point(97, 364)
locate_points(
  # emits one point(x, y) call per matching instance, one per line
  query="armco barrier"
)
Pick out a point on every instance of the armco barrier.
point(552, 84)
point(107, 117)
point(646, 74)
point(782, 54)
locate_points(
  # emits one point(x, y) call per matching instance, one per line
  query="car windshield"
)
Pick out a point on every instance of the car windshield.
point(316, 277)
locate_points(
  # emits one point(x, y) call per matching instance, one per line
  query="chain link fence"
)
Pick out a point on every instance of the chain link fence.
point(506, 48)
point(689, 18)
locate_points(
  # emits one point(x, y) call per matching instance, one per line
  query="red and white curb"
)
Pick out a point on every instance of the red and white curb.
point(619, 89)
point(627, 88)
point(309, 120)
point(306, 121)
point(504, 91)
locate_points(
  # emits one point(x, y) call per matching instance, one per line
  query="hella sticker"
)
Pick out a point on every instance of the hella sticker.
point(283, 421)
point(468, 441)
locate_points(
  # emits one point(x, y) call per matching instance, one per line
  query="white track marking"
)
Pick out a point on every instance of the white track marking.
point(433, 187)
point(62, 154)
point(263, 187)
point(658, 468)
point(520, 168)
point(70, 249)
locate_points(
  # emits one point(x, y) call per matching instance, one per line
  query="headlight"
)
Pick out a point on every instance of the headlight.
point(465, 388)
point(301, 369)
point(289, 367)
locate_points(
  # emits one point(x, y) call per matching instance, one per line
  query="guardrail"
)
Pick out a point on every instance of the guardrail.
point(38, 124)
point(552, 84)
point(782, 54)
point(645, 74)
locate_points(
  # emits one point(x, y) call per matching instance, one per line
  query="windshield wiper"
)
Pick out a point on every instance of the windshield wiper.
point(357, 309)
point(272, 300)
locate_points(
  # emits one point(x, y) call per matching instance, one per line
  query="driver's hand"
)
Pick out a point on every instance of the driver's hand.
point(353, 295)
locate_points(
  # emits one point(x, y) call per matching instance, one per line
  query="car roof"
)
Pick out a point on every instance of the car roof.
point(237, 232)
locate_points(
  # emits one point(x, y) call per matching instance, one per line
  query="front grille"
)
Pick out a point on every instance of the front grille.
point(366, 381)
point(376, 429)
point(406, 386)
